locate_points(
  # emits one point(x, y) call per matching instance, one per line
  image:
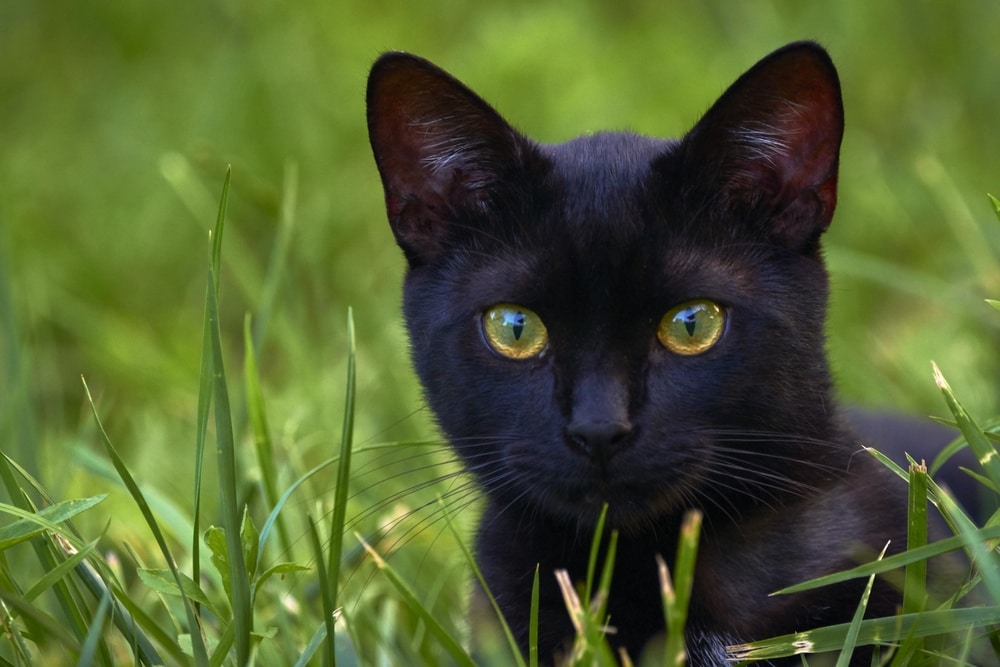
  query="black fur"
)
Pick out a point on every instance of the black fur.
point(600, 236)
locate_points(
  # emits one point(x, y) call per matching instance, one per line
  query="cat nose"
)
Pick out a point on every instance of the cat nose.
point(599, 420)
point(597, 437)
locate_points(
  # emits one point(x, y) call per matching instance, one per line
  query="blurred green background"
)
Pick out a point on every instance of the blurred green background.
point(118, 118)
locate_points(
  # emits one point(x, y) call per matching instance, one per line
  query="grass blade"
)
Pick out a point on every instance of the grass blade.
point(477, 572)
point(197, 642)
point(231, 513)
point(896, 560)
point(205, 379)
point(50, 578)
point(124, 614)
point(322, 632)
point(40, 624)
point(915, 576)
point(220, 224)
point(329, 610)
point(589, 615)
point(599, 605)
point(985, 452)
point(452, 647)
point(27, 527)
point(980, 554)
point(595, 548)
point(343, 474)
point(533, 621)
point(18, 642)
point(915, 581)
point(676, 594)
point(201, 438)
point(221, 650)
point(93, 641)
point(272, 518)
point(872, 631)
point(851, 640)
point(48, 518)
point(261, 431)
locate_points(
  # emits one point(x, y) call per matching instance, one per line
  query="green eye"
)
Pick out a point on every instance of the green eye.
point(514, 332)
point(692, 327)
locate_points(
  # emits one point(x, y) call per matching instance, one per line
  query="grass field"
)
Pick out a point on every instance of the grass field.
point(117, 123)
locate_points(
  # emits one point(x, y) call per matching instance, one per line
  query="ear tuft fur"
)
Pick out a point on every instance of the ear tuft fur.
point(771, 143)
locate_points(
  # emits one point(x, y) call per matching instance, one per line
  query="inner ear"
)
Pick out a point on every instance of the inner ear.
point(771, 143)
point(438, 146)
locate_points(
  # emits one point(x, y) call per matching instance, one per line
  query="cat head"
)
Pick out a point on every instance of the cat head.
point(619, 319)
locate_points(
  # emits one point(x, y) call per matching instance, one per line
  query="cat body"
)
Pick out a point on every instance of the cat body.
point(639, 323)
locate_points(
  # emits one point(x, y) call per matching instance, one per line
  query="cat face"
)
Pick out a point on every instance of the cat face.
point(619, 319)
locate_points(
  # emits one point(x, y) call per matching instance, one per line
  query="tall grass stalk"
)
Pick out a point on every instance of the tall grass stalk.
point(200, 653)
point(205, 380)
point(232, 515)
point(343, 471)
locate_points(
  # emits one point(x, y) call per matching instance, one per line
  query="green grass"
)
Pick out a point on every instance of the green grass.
point(116, 125)
point(235, 613)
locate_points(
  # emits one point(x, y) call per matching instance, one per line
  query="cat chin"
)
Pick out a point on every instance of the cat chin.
point(640, 497)
point(631, 511)
point(629, 522)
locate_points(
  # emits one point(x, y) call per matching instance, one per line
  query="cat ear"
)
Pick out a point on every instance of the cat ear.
point(772, 143)
point(439, 149)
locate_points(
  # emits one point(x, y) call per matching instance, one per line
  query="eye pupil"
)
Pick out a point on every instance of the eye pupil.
point(517, 325)
point(689, 322)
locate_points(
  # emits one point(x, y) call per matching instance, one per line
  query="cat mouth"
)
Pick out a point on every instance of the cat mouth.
point(628, 505)
point(588, 496)
point(636, 491)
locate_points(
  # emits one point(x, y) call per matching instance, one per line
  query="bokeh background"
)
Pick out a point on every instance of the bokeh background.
point(118, 120)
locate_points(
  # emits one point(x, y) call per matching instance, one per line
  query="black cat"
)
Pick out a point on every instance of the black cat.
point(639, 322)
